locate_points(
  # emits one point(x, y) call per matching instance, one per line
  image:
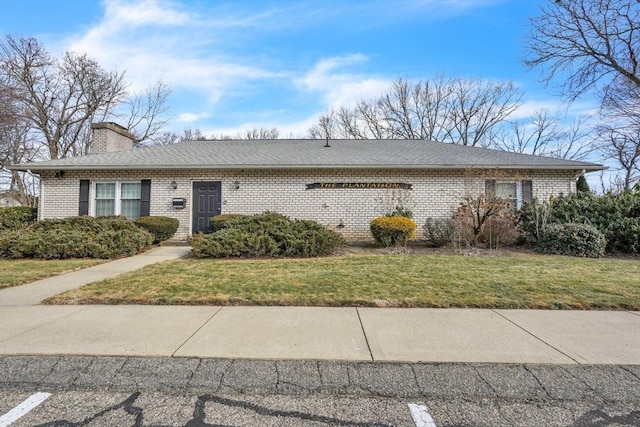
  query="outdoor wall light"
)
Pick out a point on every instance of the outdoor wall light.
point(236, 184)
point(174, 184)
point(341, 224)
point(59, 174)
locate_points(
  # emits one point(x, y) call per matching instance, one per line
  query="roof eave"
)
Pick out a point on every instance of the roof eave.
point(36, 168)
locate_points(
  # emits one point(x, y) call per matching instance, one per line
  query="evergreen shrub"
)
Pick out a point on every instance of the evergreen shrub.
point(219, 222)
point(161, 227)
point(581, 240)
point(75, 237)
point(392, 230)
point(617, 216)
point(17, 217)
point(267, 235)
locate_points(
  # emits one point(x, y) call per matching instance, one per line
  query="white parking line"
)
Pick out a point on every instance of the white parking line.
point(420, 415)
point(23, 408)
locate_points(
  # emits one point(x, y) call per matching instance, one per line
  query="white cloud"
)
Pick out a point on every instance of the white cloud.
point(342, 88)
point(155, 40)
point(192, 117)
point(131, 14)
point(202, 51)
point(554, 105)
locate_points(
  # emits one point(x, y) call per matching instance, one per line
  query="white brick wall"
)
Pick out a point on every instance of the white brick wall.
point(435, 193)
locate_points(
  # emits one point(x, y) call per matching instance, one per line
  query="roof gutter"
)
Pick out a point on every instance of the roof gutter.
point(36, 168)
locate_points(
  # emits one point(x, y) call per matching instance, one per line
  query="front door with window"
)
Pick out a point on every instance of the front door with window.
point(206, 203)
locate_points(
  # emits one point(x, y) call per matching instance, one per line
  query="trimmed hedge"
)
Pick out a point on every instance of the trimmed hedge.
point(75, 237)
point(267, 235)
point(161, 227)
point(219, 222)
point(17, 217)
point(392, 230)
point(581, 240)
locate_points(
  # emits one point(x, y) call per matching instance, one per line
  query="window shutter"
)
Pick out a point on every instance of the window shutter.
point(490, 189)
point(145, 197)
point(83, 205)
point(527, 191)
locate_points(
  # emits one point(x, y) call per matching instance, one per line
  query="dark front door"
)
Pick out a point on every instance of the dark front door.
point(206, 203)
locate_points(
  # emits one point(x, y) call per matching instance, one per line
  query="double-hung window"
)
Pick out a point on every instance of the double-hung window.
point(514, 193)
point(508, 193)
point(118, 198)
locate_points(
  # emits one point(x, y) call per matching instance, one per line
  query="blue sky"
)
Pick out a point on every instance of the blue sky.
point(238, 64)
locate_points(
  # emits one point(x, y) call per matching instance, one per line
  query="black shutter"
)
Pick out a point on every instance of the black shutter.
point(145, 197)
point(490, 189)
point(527, 191)
point(83, 205)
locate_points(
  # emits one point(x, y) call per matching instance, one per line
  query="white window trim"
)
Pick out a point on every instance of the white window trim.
point(118, 195)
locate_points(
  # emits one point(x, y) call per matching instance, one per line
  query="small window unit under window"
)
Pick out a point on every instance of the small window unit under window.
point(118, 198)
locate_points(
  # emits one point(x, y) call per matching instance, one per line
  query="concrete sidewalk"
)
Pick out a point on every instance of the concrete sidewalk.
point(306, 333)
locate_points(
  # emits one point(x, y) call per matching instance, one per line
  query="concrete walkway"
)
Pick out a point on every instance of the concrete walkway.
point(305, 333)
point(34, 293)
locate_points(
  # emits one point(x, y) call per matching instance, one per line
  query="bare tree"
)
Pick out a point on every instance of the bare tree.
point(458, 111)
point(623, 145)
point(587, 44)
point(16, 146)
point(258, 133)
point(544, 134)
point(594, 45)
point(62, 97)
point(48, 105)
point(187, 134)
point(144, 112)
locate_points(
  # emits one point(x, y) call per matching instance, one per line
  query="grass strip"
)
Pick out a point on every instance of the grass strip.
point(531, 281)
point(14, 272)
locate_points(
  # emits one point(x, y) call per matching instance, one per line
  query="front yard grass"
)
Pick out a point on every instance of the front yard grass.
point(14, 272)
point(433, 280)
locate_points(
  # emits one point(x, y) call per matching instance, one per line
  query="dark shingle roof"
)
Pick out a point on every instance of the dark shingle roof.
point(308, 154)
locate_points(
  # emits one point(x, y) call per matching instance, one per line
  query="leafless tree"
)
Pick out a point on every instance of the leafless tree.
point(594, 45)
point(48, 104)
point(587, 44)
point(460, 111)
point(62, 97)
point(187, 134)
point(258, 133)
point(144, 112)
point(545, 134)
point(16, 146)
point(622, 144)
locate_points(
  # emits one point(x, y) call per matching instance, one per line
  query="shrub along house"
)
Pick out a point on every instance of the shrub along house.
point(342, 184)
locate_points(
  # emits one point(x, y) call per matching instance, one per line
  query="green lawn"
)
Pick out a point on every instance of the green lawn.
point(16, 272)
point(517, 281)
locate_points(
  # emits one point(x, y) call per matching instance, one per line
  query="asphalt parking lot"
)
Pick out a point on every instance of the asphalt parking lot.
point(109, 391)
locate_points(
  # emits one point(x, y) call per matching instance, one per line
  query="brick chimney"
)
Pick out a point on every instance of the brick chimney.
point(109, 137)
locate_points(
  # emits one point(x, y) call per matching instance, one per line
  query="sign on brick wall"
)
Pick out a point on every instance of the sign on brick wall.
point(376, 185)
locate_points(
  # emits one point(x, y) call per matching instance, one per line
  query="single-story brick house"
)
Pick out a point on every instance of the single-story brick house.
point(340, 183)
